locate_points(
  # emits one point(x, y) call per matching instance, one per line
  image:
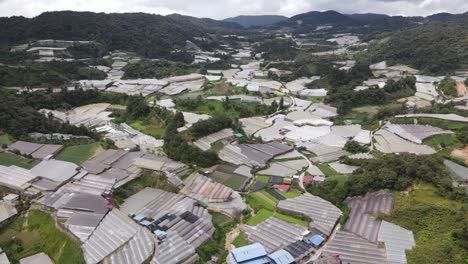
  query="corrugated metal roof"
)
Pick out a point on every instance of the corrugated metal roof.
point(322, 212)
point(281, 257)
point(354, 249)
point(274, 233)
point(173, 250)
point(249, 252)
point(397, 240)
point(114, 231)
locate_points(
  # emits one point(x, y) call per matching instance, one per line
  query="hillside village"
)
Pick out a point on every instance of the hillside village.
point(243, 155)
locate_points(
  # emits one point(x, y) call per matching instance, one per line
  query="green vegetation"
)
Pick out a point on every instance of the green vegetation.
point(5, 139)
point(240, 240)
point(345, 98)
point(440, 225)
point(277, 49)
point(259, 217)
point(18, 117)
point(259, 201)
point(215, 245)
point(232, 181)
point(8, 159)
point(231, 108)
point(327, 170)
point(443, 141)
point(206, 127)
point(47, 74)
point(78, 153)
point(157, 69)
point(387, 172)
point(149, 127)
point(39, 235)
point(150, 35)
point(290, 194)
point(447, 86)
point(262, 178)
point(138, 184)
point(436, 47)
point(354, 147)
point(291, 219)
point(217, 147)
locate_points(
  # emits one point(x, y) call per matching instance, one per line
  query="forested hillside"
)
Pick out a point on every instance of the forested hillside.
point(149, 35)
point(434, 47)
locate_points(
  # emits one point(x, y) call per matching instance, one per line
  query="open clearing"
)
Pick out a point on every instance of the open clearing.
point(79, 153)
point(8, 159)
point(433, 219)
point(38, 234)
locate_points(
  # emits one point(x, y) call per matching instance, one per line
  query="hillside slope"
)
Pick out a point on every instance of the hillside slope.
point(149, 35)
point(434, 47)
point(249, 21)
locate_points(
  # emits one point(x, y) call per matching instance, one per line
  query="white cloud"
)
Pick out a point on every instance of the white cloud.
point(226, 8)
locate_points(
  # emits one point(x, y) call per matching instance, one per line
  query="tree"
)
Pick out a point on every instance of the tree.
point(179, 120)
point(354, 147)
point(136, 107)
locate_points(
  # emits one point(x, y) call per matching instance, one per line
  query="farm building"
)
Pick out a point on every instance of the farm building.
point(16, 178)
point(323, 214)
point(343, 168)
point(254, 253)
point(118, 239)
point(215, 195)
point(39, 258)
point(255, 155)
point(174, 250)
point(415, 133)
point(361, 220)
point(387, 142)
point(37, 151)
point(205, 143)
point(285, 168)
point(354, 249)
point(171, 212)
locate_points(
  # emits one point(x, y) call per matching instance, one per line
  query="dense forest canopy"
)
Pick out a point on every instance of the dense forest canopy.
point(436, 47)
point(149, 35)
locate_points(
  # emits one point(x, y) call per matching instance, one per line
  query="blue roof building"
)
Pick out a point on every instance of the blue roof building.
point(251, 254)
point(314, 240)
point(281, 257)
point(139, 217)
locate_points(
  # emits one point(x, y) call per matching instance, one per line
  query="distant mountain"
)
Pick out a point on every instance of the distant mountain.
point(446, 16)
point(316, 18)
point(208, 24)
point(148, 35)
point(249, 21)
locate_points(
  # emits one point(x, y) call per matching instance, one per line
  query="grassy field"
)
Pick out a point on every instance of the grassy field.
point(434, 220)
point(152, 128)
point(221, 219)
point(232, 181)
point(40, 235)
point(259, 201)
point(263, 179)
point(8, 159)
point(211, 107)
point(261, 216)
point(442, 141)
point(264, 214)
point(327, 170)
point(269, 196)
point(216, 147)
point(5, 139)
point(289, 195)
point(79, 153)
point(291, 219)
point(240, 240)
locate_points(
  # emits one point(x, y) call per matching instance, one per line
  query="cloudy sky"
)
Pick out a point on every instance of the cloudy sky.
point(226, 8)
